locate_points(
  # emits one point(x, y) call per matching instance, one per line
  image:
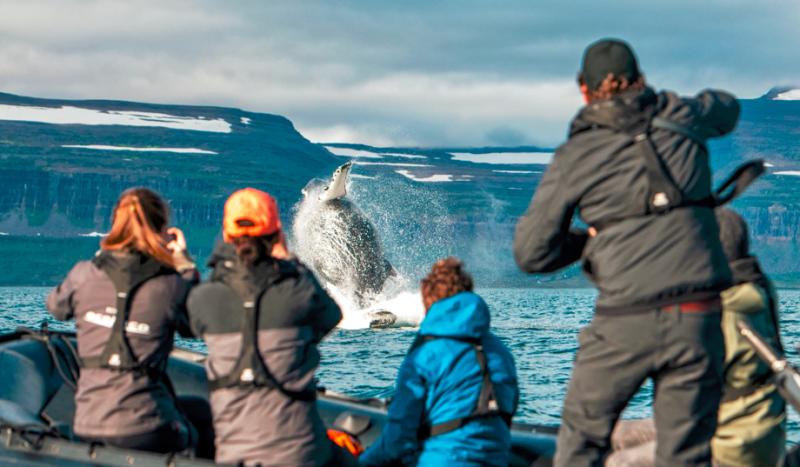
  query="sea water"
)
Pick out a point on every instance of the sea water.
point(540, 326)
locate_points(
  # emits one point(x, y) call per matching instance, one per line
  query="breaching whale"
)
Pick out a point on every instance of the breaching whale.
point(343, 246)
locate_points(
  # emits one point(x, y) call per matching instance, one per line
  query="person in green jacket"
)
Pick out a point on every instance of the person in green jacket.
point(751, 427)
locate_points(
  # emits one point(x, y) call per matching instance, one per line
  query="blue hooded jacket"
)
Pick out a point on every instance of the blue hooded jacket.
point(439, 381)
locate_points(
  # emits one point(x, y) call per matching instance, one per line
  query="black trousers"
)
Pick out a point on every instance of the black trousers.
point(683, 352)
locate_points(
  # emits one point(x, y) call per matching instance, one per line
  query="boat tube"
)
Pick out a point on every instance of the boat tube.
point(38, 370)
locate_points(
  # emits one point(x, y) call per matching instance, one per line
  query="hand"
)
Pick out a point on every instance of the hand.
point(177, 243)
point(279, 250)
point(592, 232)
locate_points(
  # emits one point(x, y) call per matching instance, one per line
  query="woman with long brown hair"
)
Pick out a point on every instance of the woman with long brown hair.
point(127, 302)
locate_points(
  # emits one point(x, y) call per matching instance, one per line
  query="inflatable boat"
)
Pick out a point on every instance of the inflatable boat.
point(37, 406)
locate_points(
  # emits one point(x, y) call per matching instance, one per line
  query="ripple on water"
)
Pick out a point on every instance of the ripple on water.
point(540, 326)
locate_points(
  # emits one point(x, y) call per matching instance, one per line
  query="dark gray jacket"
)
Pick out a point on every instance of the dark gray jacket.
point(639, 262)
point(263, 424)
point(112, 403)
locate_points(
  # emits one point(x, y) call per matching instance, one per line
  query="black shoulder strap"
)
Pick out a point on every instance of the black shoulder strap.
point(127, 279)
point(250, 370)
point(737, 182)
point(669, 125)
point(486, 405)
point(664, 194)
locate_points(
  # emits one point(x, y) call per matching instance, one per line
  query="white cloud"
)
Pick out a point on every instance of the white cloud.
point(408, 73)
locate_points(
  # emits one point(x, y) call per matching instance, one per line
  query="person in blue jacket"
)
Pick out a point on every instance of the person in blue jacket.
point(457, 387)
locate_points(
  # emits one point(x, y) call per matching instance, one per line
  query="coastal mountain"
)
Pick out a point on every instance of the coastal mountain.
point(783, 93)
point(65, 162)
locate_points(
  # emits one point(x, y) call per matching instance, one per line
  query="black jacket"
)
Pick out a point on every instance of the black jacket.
point(640, 262)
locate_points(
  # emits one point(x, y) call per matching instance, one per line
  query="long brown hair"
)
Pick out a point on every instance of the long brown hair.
point(447, 278)
point(138, 223)
point(252, 250)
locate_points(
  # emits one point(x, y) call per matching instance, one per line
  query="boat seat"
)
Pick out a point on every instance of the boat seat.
point(17, 415)
point(29, 381)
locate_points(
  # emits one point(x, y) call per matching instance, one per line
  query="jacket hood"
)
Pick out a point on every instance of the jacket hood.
point(462, 315)
point(624, 111)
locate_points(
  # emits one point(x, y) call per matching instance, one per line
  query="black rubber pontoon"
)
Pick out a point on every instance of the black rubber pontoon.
point(37, 373)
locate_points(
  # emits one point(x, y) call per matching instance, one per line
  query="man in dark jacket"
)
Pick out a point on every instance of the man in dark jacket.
point(636, 168)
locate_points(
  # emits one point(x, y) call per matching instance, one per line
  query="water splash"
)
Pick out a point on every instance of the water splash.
point(330, 248)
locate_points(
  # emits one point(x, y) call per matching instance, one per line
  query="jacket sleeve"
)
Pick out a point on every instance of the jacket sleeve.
point(398, 442)
point(717, 112)
point(59, 300)
point(185, 284)
point(325, 313)
point(543, 241)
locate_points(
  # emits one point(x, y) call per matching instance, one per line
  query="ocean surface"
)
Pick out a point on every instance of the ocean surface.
point(540, 326)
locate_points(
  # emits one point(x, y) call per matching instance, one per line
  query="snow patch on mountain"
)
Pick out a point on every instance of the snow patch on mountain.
point(434, 177)
point(101, 147)
point(405, 156)
point(391, 164)
point(69, 115)
point(504, 157)
point(790, 95)
point(348, 152)
point(93, 234)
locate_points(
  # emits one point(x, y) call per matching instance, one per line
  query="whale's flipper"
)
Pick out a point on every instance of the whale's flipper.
point(381, 319)
point(337, 188)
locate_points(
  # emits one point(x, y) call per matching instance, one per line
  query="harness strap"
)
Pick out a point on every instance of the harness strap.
point(117, 353)
point(669, 125)
point(486, 405)
point(737, 182)
point(664, 193)
point(250, 370)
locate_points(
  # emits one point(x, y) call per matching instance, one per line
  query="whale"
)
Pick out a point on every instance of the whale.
point(341, 243)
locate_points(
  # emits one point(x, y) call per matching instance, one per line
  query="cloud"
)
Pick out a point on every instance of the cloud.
point(387, 73)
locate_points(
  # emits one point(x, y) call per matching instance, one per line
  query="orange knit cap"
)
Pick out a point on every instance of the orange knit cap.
point(250, 213)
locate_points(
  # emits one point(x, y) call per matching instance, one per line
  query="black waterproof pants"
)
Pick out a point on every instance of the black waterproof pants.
point(683, 352)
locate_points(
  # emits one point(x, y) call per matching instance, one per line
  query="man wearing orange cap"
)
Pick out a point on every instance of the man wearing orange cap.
point(262, 315)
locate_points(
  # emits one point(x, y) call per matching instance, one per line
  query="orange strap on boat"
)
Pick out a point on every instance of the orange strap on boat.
point(346, 441)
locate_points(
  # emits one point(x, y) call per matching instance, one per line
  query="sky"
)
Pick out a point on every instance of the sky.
point(394, 73)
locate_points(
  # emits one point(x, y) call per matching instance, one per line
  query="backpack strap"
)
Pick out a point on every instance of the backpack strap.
point(250, 370)
point(486, 405)
point(664, 194)
point(117, 353)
